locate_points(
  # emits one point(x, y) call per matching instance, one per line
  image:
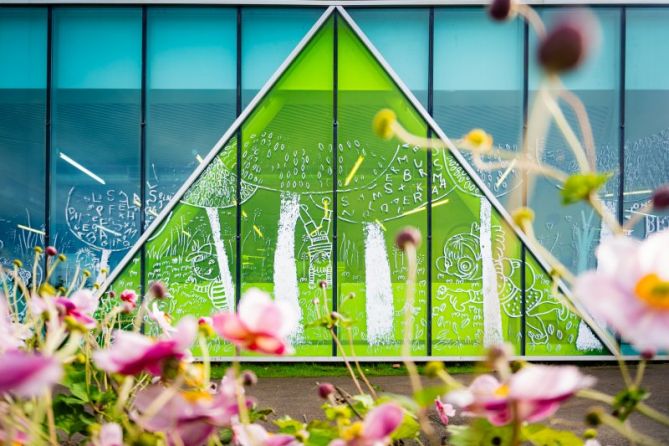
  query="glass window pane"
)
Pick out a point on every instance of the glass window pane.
point(95, 149)
point(572, 232)
point(478, 81)
point(381, 188)
point(402, 37)
point(646, 114)
point(191, 93)
point(287, 183)
point(268, 37)
point(22, 133)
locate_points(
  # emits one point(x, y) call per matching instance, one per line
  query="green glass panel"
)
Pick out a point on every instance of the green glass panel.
point(381, 188)
point(193, 251)
point(286, 231)
point(551, 328)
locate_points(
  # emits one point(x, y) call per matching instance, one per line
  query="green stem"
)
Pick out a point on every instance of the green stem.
point(239, 391)
point(346, 361)
point(357, 364)
point(204, 347)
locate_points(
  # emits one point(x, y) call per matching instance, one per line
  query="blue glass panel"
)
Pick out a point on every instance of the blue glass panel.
point(646, 114)
point(22, 133)
point(478, 80)
point(268, 37)
point(95, 209)
point(572, 232)
point(191, 93)
point(402, 37)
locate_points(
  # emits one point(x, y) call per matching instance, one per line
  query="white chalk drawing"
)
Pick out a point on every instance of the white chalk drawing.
point(378, 287)
point(106, 220)
point(320, 246)
point(492, 332)
point(285, 269)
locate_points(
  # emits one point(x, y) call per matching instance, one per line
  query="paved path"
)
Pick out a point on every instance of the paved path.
point(298, 398)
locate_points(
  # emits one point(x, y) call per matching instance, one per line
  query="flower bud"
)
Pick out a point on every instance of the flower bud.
point(501, 10)
point(567, 44)
point(51, 251)
point(46, 289)
point(38, 249)
point(323, 284)
point(17, 263)
point(590, 434)
point(522, 216)
point(158, 290)
point(647, 355)
point(593, 419)
point(383, 123)
point(129, 296)
point(249, 378)
point(408, 236)
point(661, 197)
point(62, 257)
point(86, 273)
point(581, 185)
point(325, 390)
point(433, 368)
point(478, 140)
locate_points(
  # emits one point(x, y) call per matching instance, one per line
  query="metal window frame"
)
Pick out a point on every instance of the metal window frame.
point(235, 127)
point(328, 3)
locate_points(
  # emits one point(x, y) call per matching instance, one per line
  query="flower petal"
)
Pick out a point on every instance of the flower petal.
point(381, 421)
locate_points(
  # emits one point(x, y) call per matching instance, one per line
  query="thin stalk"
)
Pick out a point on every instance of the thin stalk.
point(637, 216)
point(346, 361)
point(204, 347)
point(605, 214)
point(531, 16)
point(639, 373)
point(53, 439)
point(33, 285)
point(529, 166)
point(239, 392)
point(357, 363)
point(626, 431)
point(124, 394)
point(584, 123)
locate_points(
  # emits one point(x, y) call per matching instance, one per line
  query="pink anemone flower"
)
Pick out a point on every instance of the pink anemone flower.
point(189, 418)
point(445, 411)
point(12, 334)
point(256, 435)
point(260, 325)
point(375, 430)
point(81, 306)
point(28, 374)
point(111, 434)
point(630, 289)
point(131, 353)
point(533, 393)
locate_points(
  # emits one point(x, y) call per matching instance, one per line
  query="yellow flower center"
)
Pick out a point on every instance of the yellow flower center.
point(193, 396)
point(502, 391)
point(479, 139)
point(653, 291)
point(353, 431)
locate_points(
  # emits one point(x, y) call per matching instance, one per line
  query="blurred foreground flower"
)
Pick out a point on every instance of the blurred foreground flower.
point(131, 353)
point(256, 435)
point(12, 334)
point(188, 418)
point(569, 42)
point(375, 430)
point(81, 306)
point(445, 411)
point(535, 391)
point(260, 325)
point(110, 434)
point(27, 374)
point(630, 289)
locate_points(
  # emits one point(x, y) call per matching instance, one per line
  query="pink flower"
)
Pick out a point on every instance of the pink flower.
point(131, 353)
point(536, 392)
point(260, 324)
point(27, 374)
point(375, 430)
point(162, 319)
point(81, 306)
point(129, 297)
point(256, 435)
point(630, 289)
point(111, 434)
point(445, 411)
point(189, 418)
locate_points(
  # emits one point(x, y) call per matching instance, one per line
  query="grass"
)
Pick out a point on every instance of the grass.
point(321, 369)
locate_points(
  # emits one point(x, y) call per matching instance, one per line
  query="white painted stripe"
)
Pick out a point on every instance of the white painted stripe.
point(75, 164)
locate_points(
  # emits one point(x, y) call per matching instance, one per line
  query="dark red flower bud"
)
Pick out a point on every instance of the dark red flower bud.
point(249, 378)
point(407, 236)
point(325, 390)
point(647, 355)
point(568, 43)
point(158, 290)
point(500, 9)
point(661, 197)
point(323, 284)
point(51, 251)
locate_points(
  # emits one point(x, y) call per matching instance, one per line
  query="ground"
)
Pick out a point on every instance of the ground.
point(298, 397)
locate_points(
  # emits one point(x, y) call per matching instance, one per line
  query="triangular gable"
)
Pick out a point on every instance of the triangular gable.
point(291, 185)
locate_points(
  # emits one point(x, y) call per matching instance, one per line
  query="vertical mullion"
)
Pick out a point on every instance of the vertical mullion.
point(47, 136)
point(335, 124)
point(238, 165)
point(621, 123)
point(523, 248)
point(142, 159)
point(430, 106)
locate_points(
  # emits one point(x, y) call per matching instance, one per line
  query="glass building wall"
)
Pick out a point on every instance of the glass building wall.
point(136, 97)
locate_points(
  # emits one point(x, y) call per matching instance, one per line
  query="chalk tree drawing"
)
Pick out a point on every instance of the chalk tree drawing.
point(378, 286)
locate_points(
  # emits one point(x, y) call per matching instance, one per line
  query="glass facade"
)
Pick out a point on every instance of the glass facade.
point(118, 108)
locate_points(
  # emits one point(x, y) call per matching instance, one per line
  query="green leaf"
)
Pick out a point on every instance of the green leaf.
point(480, 432)
point(579, 186)
point(410, 428)
point(320, 433)
point(288, 425)
point(540, 435)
